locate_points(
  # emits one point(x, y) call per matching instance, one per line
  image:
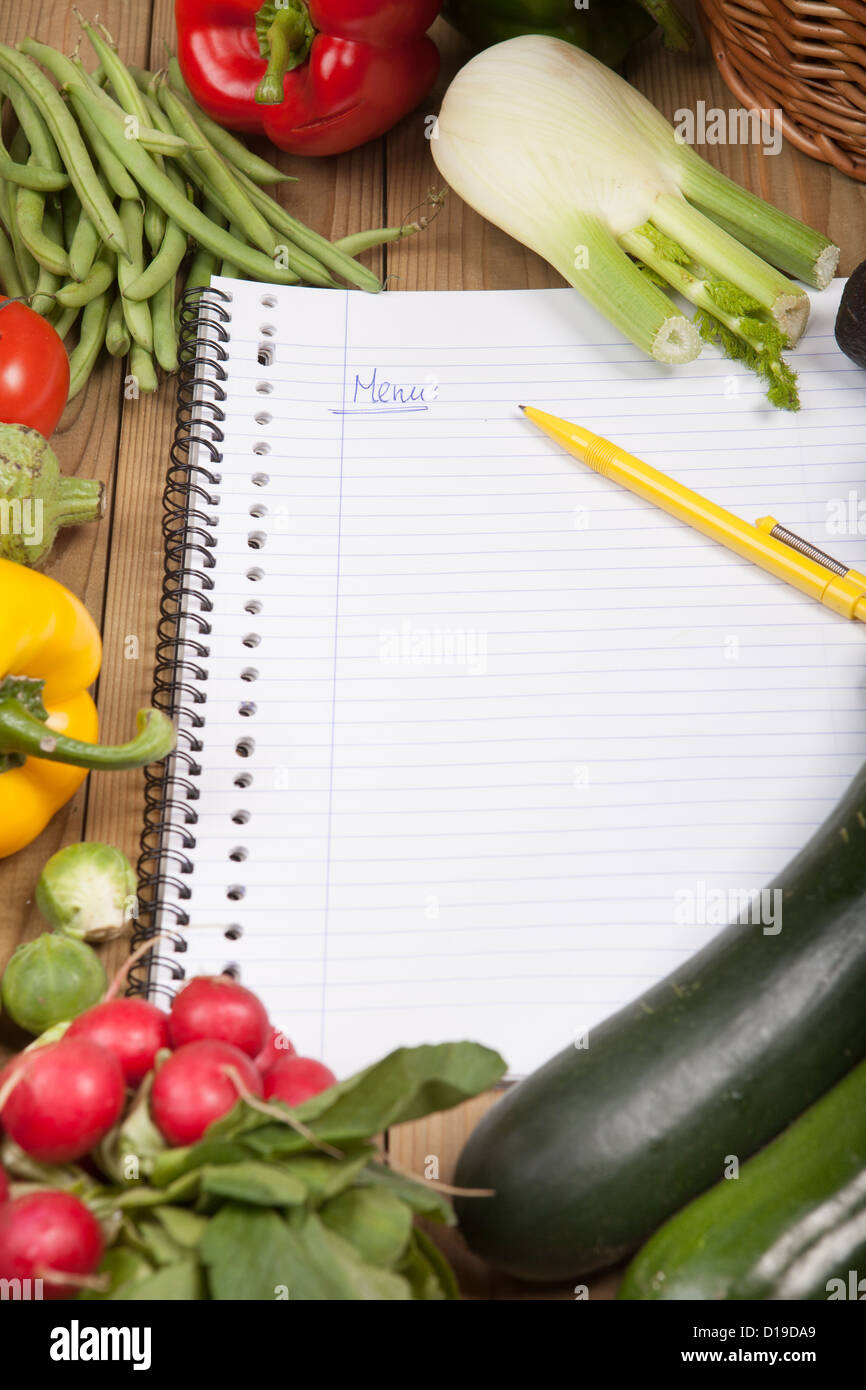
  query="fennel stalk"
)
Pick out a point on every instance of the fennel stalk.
point(564, 155)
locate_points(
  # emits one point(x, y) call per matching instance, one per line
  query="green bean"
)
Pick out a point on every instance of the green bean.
point(137, 315)
point(62, 320)
point(160, 121)
point(220, 180)
point(30, 175)
point(9, 277)
point(227, 186)
point(28, 270)
point(196, 176)
point(117, 73)
point(20, 146)
point(30, 203)
point(164, 330)
point(186, 163)
point(202, 268)
point(39, 137)
point(43, 171)
point(30, 210)
point(167, 260)
point(228, 268)
point(227, 144)
point(115, 172)
point(70, 145)
point(203, 265)
point(49, 281)
point(157, 142)
point(117, 339)
point(130, 99)
point(83, 248)
point(84, 241)
point(155, 223)
point(160, 187)
point(82, 358)
point(118, 178)
point(359, 242)
point(102, 275)
point(141, 368)
point(155, 219)
point(309, 241)
point(72, 215)
point(225, 193)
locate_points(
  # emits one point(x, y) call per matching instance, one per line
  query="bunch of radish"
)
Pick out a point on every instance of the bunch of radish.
point(59, 1099)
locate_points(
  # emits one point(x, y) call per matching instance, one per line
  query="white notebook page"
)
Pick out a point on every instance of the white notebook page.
point(517, 734)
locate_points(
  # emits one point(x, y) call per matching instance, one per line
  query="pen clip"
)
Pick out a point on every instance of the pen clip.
point(803, 547)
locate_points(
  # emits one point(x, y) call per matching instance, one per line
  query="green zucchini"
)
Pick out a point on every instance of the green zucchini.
point(791, 1226)
point(595, 1150)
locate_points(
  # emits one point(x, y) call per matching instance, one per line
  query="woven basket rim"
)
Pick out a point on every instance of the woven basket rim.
point(805, 58)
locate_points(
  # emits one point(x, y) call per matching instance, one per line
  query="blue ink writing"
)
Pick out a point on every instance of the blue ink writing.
point(376, 395)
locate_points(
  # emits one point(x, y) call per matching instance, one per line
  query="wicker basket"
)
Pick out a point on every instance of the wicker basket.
point(804, 57)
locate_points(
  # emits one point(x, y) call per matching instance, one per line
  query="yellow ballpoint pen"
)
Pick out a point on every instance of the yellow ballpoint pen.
point(767, 543)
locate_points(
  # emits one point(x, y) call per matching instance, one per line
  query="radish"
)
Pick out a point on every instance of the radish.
point(131, 1029)
point(215, 1006)
point(294, 1079)
point(198, 1084)
point(46, 1235)
point(58, 1101)
point(276, 1047)
point(4, 1187)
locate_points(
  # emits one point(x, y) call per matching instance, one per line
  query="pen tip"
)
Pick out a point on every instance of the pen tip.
point(523, 408)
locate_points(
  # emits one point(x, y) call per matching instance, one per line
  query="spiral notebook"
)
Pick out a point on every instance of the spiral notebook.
point(472, 742)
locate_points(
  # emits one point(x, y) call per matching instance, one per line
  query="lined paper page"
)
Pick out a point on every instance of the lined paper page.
point(511, 742)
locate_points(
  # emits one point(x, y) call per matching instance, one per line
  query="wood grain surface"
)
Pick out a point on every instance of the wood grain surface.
point(115, 566)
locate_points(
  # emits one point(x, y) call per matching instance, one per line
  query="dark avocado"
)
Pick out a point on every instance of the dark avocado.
point(851, 318)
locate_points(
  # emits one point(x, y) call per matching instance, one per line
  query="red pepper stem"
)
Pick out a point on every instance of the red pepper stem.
point(22, 733)
point(288, 41)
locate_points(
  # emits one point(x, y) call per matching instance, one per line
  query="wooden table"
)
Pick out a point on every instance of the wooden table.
point(115, 566)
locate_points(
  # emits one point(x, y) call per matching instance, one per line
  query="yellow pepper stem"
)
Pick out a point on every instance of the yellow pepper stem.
point(23, 735)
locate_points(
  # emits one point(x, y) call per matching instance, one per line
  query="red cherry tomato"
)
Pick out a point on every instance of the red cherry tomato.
point(34, 369)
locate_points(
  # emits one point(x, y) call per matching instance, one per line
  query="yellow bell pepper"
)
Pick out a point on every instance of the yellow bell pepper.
point(50, 652)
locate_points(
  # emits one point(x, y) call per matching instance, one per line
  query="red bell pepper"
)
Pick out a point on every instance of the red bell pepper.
point(316, 76)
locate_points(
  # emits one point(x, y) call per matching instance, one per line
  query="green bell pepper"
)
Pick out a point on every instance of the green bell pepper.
point(605, 28)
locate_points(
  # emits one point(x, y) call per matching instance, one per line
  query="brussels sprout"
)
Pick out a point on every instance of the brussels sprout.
point(51, 979)
point(87, 891)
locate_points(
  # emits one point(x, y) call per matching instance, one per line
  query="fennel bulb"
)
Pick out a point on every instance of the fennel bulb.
point(567, 157)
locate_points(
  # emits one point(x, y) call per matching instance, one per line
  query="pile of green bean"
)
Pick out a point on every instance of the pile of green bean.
point(117, 191)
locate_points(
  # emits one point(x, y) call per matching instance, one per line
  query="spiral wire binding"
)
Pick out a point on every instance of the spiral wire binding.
point(180, 675)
